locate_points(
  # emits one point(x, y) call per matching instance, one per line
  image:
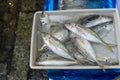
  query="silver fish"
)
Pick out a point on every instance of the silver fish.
point(83, 60)
point(48, 55)
point(56, 62)
point(85, 49)
point(107, 60)
point(44, 18)
point(93, 20)
point(81, 43)
point(88, 34)
point(56, 46)
point(59, 32)
point(85, 19)
point(103, 29)
point(80, 59)
point(45, 22)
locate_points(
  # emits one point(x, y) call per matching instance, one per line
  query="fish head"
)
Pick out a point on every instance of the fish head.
point(112, 61)
point(72, 35)
point(109, 26)
point(108, 60)
point(45, 36)
point(70, 25)
point(43, 21)
point(44, 18)
point(90, 17)
point(105, 18)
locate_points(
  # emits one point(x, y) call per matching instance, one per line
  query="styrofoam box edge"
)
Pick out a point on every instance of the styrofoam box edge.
point(33, 39)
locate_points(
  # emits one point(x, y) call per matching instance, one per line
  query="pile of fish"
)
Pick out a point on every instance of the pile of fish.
point(71, 43)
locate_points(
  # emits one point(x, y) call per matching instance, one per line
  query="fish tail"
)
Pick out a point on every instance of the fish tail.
point(111, 46)
point(101, 66)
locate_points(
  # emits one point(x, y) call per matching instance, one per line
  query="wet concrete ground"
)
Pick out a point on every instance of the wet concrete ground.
point(15, 28)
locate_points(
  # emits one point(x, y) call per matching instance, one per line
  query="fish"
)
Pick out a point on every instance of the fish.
point(50, 55)
point(83, 60)
point(86, 19)
point(88, 34)
point(59, 32)
point(107, 60)
point(94, 20)
point(73, 51)
point(44, 18)
point(47, 54)
point(45, 22)
point(56, 46)
point(85, 48)
point(56, 62)
point(103, 29)
point(104, 56)
point(80, 44)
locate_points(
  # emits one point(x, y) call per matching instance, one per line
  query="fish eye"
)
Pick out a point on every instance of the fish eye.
point(46, 55)
point(106, 60)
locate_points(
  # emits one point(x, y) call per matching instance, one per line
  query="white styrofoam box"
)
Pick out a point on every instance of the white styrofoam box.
point(118, 5)
point(71, 15)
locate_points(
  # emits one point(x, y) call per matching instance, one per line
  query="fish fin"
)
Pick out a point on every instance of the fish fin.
point(111, 46)
point(101, 66)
